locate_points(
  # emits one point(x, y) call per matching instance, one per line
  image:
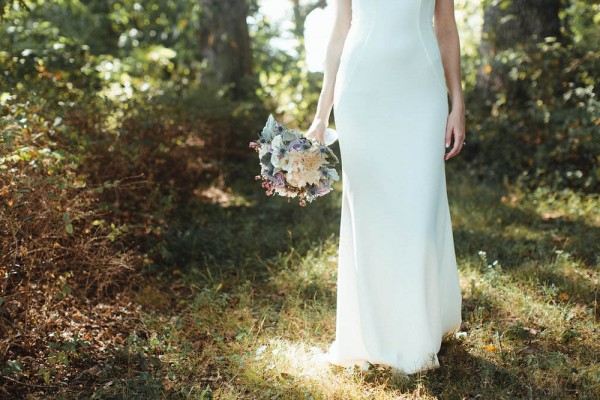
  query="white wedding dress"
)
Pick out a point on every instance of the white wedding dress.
point(398, 287)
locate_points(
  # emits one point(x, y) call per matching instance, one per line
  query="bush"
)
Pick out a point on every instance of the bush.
point(542, 123)
point(89, 184)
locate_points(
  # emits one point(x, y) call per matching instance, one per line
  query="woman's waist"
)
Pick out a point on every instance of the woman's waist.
point(400, 48)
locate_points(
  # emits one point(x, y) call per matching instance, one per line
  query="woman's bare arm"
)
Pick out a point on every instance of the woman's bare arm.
point(446, 33)
point(343, 17)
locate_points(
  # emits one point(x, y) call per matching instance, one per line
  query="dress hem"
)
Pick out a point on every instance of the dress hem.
point(363, 362)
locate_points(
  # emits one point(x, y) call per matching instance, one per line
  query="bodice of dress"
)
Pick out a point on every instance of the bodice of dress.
point(391, 43)
point(391, 17)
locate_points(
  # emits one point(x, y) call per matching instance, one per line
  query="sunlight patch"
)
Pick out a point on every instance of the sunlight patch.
point(292, 358)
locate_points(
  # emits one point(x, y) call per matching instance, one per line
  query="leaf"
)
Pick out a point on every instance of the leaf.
point(44, 374)
point(266, 159)
point(69, 228)
point(290, 135)
point(333, 173)
point(331, 153)
point(505, 5)
point(13, 367)
point(268, 132)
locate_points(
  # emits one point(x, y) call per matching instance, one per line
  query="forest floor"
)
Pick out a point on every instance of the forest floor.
point(252, 298)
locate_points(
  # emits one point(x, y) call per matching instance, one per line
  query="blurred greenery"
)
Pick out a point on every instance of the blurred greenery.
point(126, 179)
point(538, 118)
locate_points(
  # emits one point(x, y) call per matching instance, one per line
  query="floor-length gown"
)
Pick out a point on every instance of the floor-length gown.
point(398, 287)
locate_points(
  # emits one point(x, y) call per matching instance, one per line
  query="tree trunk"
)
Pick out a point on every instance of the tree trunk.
point(301, 11)
point(225, 44)
point(510, 23)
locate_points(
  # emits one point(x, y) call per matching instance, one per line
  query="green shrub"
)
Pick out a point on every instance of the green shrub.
point(542, 123)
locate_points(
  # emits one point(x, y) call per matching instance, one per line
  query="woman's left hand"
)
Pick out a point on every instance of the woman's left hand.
point(455, 127)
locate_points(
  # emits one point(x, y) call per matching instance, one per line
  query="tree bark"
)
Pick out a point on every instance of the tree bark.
point(520, 21)
point(301, 11)
point(225, 44)
point(511, 23)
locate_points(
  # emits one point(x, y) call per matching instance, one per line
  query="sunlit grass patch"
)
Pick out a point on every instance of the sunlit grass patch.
point(293, 369)
point(528, 312)
point(247, 320)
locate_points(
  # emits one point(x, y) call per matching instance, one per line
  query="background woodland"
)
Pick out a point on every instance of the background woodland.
point(140, 259)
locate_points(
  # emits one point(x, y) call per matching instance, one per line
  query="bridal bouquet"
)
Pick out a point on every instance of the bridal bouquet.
point(293, 165)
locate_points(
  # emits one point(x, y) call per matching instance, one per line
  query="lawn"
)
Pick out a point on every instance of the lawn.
point(251, 298)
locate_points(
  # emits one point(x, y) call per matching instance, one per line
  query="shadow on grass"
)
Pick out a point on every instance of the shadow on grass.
point(262, 241)
point(251, 232)
point(529, 246)
point(532, 262)
point(525, 348)
point(467, 376)
point(516, 233)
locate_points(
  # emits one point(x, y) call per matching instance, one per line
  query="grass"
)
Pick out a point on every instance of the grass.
point(252, 298)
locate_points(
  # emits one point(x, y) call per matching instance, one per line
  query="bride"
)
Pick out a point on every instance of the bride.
point(392, 67)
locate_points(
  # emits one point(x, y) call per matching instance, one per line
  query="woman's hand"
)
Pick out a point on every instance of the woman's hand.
point(446, 33)
point(317, 130)
point(455, 126)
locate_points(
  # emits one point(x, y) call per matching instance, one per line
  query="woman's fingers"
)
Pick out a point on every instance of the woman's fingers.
point(319, 135)
point(312, 135)
point(448, 133)
point(458, 143)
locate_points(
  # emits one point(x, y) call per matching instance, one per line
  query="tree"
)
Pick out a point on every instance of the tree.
point(301, 11)
point(5, 4)
point(511, 22)
point(225, 44)
point(515, 23)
